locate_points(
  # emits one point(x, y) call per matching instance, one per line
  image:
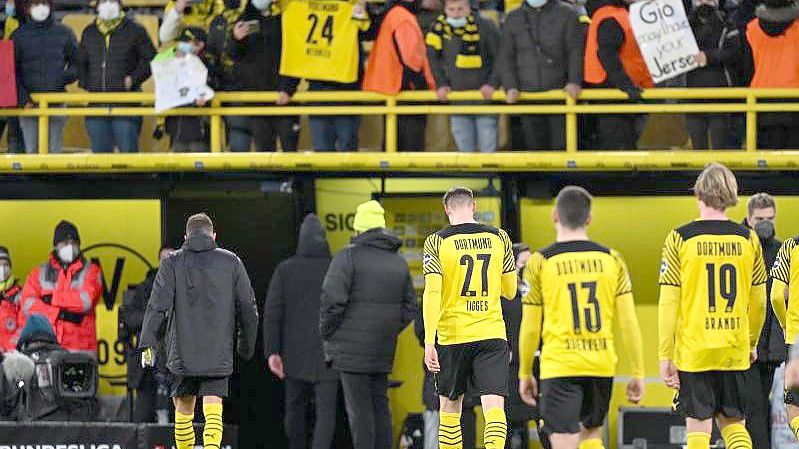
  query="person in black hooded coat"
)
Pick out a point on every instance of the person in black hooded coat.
point(292, 342)
point(368, 298)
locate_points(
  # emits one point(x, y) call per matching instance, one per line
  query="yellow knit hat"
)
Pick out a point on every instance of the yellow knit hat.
point(369, 215)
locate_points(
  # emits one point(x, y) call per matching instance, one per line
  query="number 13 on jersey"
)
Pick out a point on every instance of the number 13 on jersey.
point(320, 41)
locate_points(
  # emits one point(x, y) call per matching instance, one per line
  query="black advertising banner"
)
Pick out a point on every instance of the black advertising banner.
point(73, 435)
point(153, 436)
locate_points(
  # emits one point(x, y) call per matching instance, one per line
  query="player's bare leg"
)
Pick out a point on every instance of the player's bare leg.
point(496, 429)
point(591, 438)
point(450, 434)
point(564, 440)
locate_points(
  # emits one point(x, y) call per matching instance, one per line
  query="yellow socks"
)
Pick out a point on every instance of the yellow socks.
point(593, 443)
point(496, 431)
point(698, 440)
point(449, 431)
point(795, 426)
point(212, 433)
point(184, 431)
point(736, 437)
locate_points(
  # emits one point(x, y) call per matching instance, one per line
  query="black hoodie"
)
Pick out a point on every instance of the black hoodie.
point(201, 298)
point(367, 300)
point(291, 312)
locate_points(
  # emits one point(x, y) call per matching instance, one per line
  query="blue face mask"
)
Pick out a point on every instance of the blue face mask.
point(456, 23)
point(536, 3)
point(9, 9)
point(185, 47)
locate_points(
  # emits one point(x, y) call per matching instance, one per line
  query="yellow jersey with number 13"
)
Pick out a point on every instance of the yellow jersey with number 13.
point(472, 260)
point(320, 40)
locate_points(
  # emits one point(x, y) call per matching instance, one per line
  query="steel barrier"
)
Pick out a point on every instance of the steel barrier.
point(592, 101)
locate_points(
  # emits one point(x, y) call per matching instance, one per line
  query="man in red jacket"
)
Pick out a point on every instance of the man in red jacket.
point(66, 290)
point(9, 303)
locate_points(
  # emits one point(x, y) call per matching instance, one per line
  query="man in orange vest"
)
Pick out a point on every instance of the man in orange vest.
point(770, 61)
point(613, 59)
point(398, 61)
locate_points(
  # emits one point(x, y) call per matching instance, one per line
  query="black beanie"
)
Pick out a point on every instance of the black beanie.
point(5, 254)
point(65, 231)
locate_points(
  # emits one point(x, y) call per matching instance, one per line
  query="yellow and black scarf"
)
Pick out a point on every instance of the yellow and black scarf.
point(106, 27)
point(469, 53)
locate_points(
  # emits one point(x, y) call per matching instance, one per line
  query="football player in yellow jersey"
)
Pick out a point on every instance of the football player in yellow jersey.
point(468, 268)
point(784, 295)
point(579, 288)
point(713, 283)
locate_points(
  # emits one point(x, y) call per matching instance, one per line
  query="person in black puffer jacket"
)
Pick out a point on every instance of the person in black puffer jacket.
point(45, 52)
point(719, 45)
point(367, 300)
point(256, 48)
point(292, 342)
point(114, 56)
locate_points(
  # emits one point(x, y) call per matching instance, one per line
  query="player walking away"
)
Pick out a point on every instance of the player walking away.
point(712, 282)
point(581, 287)
point(468, 267)
point(784, 291)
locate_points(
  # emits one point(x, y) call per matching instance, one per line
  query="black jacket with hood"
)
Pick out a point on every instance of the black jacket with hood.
point(291, 312)
point(718, 37)
point(201, 297)
point(367, 300)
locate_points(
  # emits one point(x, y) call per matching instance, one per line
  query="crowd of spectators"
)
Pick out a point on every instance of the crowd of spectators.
point(440, 45)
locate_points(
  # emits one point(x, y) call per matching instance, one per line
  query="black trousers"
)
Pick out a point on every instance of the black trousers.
point(760, 377)
point(617, 132)
point(366, 396)
point(716, 125)
point(266, 130)
point(411, 132)
point(544, 132)
point(304, 399)
point(778, 131)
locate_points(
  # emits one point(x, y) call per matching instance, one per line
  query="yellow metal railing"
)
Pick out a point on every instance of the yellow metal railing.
point(592, 101)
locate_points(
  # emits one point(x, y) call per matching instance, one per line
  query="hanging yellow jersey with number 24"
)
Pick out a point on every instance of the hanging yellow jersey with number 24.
point(320, 41)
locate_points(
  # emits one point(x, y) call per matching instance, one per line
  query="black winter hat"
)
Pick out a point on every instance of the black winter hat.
point(5, 254)
point(65, 231)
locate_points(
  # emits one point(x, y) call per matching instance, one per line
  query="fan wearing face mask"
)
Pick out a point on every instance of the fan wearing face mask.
point(10, 294)
point(65, 289)
point(45, 53)
point(114, 56)
point(719, 45)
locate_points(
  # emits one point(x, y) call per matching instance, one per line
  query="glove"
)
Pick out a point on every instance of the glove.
point(634, 93)
point(148, 358)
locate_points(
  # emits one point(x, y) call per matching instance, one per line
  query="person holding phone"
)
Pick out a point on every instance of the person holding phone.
point(256, 51)
point(180, 14)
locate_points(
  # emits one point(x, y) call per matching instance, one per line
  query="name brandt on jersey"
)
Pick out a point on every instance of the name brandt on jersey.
point(722, 324)
point(585, 266)
point(587, 344)
point(719, 248)
point(469, 244)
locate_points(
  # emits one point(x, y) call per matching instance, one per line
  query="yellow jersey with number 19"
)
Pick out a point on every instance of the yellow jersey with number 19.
point(320, 40)
point(472, 260)
point(716, 264)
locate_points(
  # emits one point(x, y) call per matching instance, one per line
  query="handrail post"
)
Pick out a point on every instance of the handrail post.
point(216, 127)
point(44, 128)
point(391, 125)
point(751, 122)
point(571, 125)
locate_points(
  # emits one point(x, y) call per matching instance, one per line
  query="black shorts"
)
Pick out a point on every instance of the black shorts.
point(567, 402)
point(486, 363)
point(707, 394)
point(200, 386)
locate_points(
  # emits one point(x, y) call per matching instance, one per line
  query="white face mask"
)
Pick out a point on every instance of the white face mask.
point(5, 272)
point(261, 5)
point(68, 253)
point(108, 10)
point(40, 12)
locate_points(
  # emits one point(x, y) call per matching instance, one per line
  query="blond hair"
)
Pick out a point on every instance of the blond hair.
point(717, 187)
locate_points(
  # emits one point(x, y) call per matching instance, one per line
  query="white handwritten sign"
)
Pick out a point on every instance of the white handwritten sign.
point(179, 81)
point(665, 37)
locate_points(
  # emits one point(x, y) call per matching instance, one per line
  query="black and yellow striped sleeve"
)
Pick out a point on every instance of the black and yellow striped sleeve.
point(431, 263)
point(508, 261)
point(782, 265)
point(532, 280)
point(759, 274)
point(624, 284)
point(670, 263)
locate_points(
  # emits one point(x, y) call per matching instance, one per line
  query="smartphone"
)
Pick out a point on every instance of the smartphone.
point(254, 26)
